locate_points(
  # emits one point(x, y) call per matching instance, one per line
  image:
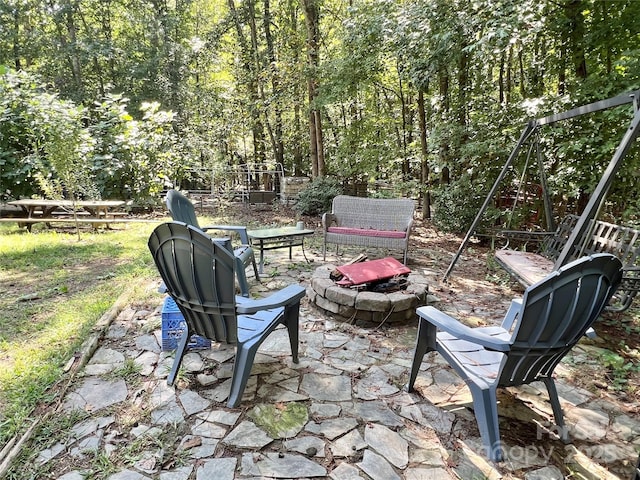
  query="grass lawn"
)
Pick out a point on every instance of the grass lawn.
point(54, 288)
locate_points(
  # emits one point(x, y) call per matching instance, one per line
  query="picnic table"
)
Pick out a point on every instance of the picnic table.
point(45, 209)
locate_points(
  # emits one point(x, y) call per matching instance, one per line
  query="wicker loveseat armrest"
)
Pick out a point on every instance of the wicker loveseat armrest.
point(328, 219)
point(409, 227)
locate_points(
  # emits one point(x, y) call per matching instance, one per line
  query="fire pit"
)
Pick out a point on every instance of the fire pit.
point(361, 306)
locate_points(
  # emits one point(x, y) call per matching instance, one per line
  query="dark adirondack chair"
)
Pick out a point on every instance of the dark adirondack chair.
point(198, 273)
point(536, 333)
point(182, 210)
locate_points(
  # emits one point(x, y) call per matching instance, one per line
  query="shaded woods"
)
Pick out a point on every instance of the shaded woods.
point(424, 99)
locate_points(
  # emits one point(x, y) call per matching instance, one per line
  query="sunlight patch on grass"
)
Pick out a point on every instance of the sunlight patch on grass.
point(55, 288)
point(36, 361)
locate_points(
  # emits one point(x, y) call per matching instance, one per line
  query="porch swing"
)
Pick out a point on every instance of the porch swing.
point(526, 190)
point(574, 236)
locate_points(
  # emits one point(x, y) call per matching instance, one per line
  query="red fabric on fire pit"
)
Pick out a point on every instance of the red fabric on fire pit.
point(367, 232)
point(371, 271)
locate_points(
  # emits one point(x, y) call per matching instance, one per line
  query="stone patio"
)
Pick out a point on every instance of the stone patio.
point(341, 413)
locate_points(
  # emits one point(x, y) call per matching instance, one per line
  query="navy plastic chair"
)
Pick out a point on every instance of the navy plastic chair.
point(536, 333)
point(199, 275)
point(182, 210)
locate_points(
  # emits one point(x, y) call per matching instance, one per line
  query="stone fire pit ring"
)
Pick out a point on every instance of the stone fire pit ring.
point(363, 307)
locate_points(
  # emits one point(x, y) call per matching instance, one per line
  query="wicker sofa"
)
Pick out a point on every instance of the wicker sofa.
point(368, 222)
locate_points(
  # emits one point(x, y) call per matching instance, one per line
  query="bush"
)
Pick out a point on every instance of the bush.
point(457, 204)
point(316, 198)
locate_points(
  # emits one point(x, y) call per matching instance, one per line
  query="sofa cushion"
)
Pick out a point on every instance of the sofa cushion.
point(367, 232)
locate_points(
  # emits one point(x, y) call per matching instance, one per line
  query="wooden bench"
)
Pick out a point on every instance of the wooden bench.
point(30, 221)
point(84, 213)
point(530, 267)
point(369, 222)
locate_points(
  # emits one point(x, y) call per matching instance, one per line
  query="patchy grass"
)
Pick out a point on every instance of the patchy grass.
point(55, 287)
point(54, 290)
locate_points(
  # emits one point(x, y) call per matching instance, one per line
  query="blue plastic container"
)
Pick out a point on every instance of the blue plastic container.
point(173, 325)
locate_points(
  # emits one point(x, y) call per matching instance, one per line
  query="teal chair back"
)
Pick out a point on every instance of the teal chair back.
point(181, 208)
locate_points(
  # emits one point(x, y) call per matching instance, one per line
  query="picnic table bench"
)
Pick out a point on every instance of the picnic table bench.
point(51, 210)
point(529, 267)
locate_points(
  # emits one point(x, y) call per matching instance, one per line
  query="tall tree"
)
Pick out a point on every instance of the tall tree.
point(312, 22)
point(275, 132)
point(250, 66)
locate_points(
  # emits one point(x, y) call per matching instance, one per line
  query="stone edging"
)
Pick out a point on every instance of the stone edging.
point(364, 307)
point(75, 364)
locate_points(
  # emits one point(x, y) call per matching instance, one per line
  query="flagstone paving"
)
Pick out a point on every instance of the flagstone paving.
point(341, 413)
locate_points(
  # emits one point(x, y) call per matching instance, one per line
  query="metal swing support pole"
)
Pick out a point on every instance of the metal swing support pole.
point(599, 193)
point(526, 133)
point(548, 207)
point(597, 197)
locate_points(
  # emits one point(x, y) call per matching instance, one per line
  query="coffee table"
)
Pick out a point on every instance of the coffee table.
point(280, 237)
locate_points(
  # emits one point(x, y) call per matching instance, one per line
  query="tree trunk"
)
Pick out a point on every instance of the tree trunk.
point(276, 132)
point(536, 76)
point(250, 67)
point(607, 43)
point(501, 79)
point(443, 83)
point(257, 128)
point(523, 91)
point(298, 166)
point(463, 85)
point(73, 45)
point(424, 163)
point(94, 59)
point(508, 81)
point(562, 73)
point(313, 141)
point(66, 29)
point(573, 11)
point(16, 39)
point(313, 60)
point(407, 126)
point(320, 142)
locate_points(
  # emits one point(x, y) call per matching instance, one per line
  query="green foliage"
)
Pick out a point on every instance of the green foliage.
point(18, 157)
point(43, 141)
point(619, 369)
point(236, 89)
point(316, 198)
point(66, 147)
point(54, 148)
point(457, 204)
point(134, 158)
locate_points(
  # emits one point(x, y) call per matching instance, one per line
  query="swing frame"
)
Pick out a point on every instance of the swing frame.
point(596, 200)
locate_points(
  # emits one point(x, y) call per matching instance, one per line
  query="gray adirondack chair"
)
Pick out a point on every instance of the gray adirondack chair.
point(198, 273)
point(182, 210)
point(536, 333)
